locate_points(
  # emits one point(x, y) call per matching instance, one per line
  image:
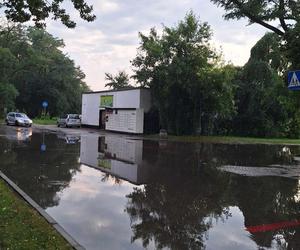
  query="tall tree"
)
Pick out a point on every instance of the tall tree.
point(39, 10)
point(41, 71)
point(182, 71)
point(280, 16)
point(265, 107)
point(119, 81)
point(8, 92)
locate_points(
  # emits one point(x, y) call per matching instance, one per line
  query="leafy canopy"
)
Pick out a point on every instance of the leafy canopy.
point(181, 69)
point(285, 12)
point(265, 107)
point(38, 10)
point(119, 81)
point(280, 16)
point(33, 63)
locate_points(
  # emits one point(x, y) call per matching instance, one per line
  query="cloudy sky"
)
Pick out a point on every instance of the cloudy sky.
point(109, 43)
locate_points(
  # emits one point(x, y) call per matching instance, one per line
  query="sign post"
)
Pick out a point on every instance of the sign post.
point(43, 145)
point(44, 105)
point(294, 80)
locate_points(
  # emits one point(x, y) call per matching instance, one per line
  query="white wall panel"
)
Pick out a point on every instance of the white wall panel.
point(90, 109)
point(130, 121)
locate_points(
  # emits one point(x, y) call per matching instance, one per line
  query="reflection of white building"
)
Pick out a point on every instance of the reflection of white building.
point(116, 110)
point(117, 156)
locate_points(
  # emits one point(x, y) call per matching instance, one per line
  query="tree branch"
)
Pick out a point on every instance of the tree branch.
point(256, 19)
point(281, 18)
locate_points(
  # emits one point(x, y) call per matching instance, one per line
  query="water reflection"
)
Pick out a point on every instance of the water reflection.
point(115, 156)
point(19, 134)
point(184, 192)
point(113, 192)
point(41, 175)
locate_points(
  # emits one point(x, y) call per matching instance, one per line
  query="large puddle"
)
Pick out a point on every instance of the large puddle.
point(113, 192)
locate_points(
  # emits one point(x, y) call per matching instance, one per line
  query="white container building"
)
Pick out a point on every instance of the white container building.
point(116, 110)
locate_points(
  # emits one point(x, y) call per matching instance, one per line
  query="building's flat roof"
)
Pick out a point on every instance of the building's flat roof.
point(114, 90)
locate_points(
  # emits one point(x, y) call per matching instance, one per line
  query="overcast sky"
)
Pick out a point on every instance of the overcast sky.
point(109, 43)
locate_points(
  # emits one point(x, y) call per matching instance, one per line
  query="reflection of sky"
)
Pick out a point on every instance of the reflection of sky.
point(92, 211)
point(297, 196)
point(230, 234)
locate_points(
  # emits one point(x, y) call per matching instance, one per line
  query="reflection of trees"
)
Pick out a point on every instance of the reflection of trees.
point(172, 209)
point(265, 201)
point(185, 192)
point(174, 221)
point(106, 177)
point(42, 175)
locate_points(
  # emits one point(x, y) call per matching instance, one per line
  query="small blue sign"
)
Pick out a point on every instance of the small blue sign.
point(45, 104)
point(43, 147)
point(294, 80)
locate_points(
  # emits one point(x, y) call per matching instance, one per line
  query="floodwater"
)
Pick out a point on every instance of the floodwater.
point(113, 192)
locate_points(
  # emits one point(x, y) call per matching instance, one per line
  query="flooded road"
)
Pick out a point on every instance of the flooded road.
point(112, 192)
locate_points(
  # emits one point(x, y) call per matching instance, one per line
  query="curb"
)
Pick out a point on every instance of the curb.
point(43, 213)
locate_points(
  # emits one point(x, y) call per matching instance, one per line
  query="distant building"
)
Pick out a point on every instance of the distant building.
point(116, 110)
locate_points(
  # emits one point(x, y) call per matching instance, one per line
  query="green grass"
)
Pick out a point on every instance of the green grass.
point(21, 227)
point(45, 121)
point(230, 139)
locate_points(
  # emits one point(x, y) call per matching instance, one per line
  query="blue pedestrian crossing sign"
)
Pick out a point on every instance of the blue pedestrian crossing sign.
point(294, 80)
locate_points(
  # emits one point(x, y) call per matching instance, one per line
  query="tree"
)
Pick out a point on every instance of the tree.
point(265, 107)
point(269, 13)
point(258, 111)
point(119, 81)
point(8, 92)
point(172, 216)
point(41, 71)
point(185, 77)
point(24, 10)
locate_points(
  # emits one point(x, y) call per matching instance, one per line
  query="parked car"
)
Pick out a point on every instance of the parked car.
point(18, 119)
point(69, 139)
point(69, 120)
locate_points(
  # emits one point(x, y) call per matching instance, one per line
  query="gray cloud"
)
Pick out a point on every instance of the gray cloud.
point(109, 43)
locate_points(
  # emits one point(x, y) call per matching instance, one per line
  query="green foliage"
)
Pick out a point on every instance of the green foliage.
point(259, 112)
point(268, 49)
point(24, 10)
point(190, 90)
point(265, 107)
point(119, 81)
point(40, 71)
point(269, 13)
point(8, 92)
point(263, 12)
point(45, 120)
point(292, 46)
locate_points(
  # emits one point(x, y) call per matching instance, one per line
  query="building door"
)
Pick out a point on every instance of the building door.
point(102, 115)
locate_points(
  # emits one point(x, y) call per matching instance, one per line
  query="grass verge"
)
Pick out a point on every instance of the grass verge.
point(45, 121)
point(230, 139)
point(21, 227)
